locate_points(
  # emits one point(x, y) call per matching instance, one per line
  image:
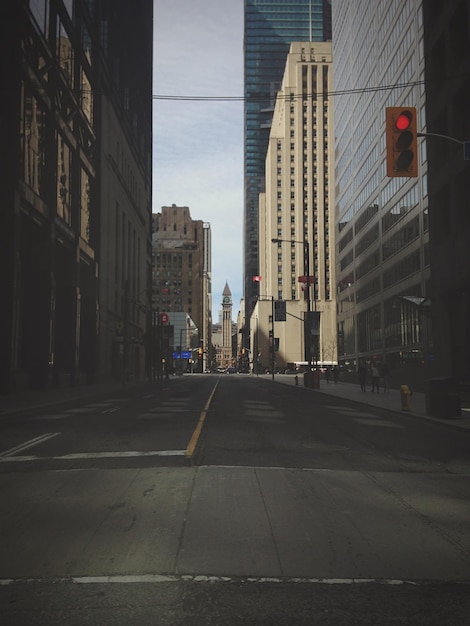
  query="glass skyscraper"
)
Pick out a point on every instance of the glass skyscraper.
point(270, 27)
point(382, 225)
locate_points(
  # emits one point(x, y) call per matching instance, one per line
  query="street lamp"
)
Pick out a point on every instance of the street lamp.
point(306, 249)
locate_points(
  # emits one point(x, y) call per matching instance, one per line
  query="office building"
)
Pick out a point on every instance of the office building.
point(76, 190)
point(181, 271)
point(447, 73)
point(270, 27)
point(382, 225)
point(297, 212)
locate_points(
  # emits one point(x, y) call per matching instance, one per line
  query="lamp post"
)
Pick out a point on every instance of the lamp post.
point(306, 250)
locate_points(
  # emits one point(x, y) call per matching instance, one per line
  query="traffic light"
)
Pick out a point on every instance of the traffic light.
point(402, 142)
point(280, 310)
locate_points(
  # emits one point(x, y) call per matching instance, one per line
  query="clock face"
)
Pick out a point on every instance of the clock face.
point(226, 299)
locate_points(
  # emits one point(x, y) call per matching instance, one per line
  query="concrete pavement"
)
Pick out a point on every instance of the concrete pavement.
point(32, 399)
point(390, 401)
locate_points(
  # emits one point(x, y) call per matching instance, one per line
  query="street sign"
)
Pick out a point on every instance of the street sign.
point(466, 150)
point(182, 355)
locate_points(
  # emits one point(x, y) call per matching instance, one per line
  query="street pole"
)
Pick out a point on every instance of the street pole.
point(307, 336)
point(273, 342)
point(306, 259)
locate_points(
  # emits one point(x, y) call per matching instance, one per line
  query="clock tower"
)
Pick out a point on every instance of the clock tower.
point(226, 327)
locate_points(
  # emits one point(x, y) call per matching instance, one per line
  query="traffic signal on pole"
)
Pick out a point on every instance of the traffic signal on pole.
point(280, 310)
point(402, 142)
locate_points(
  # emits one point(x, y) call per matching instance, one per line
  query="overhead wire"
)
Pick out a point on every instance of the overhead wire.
point(287, 97)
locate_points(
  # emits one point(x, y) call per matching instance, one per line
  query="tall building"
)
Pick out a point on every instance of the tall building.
point(297, 210)
point(270, 27)
point(382, 225)
point(124, 119)
point(226, 351)
point(447, 72)
point(181, 272)
point(76, 190)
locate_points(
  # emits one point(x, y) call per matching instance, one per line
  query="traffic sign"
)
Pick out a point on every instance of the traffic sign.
point(466, 150)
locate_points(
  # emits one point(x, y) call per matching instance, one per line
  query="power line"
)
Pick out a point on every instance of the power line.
point(258, 97)
point(288, 97)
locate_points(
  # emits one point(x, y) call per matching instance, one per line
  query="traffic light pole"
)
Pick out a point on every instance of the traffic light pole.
point(273, 342)
point(442, 137)
point(464, 144)
point(306, 255)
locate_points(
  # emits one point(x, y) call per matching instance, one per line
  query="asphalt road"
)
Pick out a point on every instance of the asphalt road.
point(229, 500)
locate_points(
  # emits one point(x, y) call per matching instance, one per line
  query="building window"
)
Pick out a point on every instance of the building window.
point(33, 142)
point(64, 180)
point(85, 206)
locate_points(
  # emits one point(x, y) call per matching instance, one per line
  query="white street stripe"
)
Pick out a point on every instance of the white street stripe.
point(378, 422)
point(95, 455)
point(55, 416)
point(28, 444)
point(169, 578)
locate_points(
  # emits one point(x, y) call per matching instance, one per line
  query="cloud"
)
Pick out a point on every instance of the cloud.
point(198, 145)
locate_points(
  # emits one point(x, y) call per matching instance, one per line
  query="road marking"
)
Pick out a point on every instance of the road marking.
point(98, 405)
point(163, 414)
point(378, 422)
point(197, 432)
point(56, 416)
point(28, 444)
point(195, 578)
point(95, 455)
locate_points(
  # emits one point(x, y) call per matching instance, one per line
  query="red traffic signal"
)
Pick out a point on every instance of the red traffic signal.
point(401, 142)
point(403, 121)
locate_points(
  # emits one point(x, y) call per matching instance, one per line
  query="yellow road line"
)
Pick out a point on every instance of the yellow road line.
point(197, 431)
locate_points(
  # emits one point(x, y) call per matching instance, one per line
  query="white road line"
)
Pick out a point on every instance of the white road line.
point(378, 422)
point(170, 578)
point(28, 444)
point(95, 455)
point(55, 416)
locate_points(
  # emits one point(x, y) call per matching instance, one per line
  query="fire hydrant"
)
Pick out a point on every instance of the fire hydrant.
point(405, 393)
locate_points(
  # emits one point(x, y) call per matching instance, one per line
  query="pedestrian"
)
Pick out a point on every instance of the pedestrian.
point(336, 374)
point(327, 375)
point(362, 373)
point(386, 377)
point(375, 376)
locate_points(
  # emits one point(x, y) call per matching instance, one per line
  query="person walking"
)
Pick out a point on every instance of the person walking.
point(362, 373)
point(375, 376)
point(327, 375)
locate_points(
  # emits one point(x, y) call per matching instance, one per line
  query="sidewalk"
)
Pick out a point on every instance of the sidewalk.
point(390, 401)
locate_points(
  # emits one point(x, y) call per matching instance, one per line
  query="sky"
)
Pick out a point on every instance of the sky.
point(198, 145)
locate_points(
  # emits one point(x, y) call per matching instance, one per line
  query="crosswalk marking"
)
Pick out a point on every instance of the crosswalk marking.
point(27, 444)
point(378, 422)
point(365, 418)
